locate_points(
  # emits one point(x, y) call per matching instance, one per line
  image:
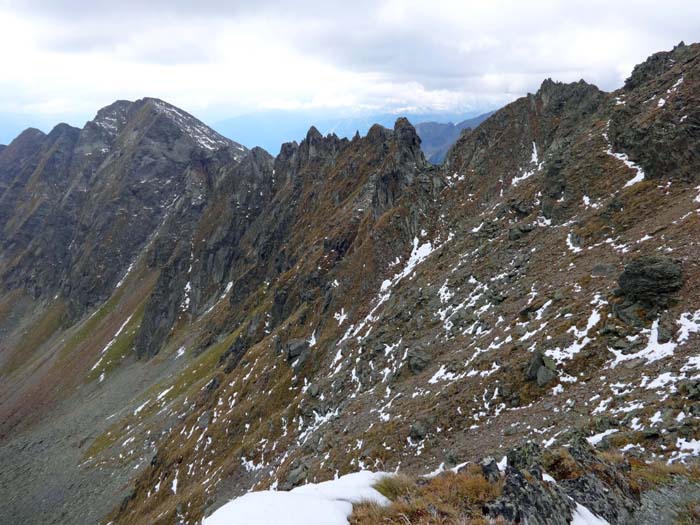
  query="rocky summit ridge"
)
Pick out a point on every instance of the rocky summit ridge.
point(183, 319)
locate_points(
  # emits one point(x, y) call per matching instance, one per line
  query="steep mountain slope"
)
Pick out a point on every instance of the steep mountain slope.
point(268, 321)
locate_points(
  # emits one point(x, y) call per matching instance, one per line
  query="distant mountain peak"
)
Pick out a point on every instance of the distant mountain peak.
point(113, 118)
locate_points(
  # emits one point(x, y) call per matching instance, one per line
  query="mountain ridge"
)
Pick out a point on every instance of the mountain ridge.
point(346, 305)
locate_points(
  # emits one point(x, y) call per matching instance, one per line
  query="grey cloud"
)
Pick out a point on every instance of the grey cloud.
point(480, 51)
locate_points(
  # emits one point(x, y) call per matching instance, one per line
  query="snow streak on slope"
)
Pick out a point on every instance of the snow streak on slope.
point(625, 160)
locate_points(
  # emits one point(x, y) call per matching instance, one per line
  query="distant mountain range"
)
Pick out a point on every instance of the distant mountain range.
point(271, 129)
point(437, 137)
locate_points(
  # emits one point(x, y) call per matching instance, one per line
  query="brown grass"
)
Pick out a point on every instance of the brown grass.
point(650, 475)
point(446, 499)
point(561, 465)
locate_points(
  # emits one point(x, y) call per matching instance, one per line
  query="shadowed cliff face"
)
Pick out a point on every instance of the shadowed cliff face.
point(80, 204)
point(346, 305)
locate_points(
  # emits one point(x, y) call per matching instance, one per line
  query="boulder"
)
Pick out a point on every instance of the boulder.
point(541, 368)
point(519, 230)
point(295, 477)
point(650, 280)
point(418, 431)
point(417, 360)
point(545, 376)
point(295, 347)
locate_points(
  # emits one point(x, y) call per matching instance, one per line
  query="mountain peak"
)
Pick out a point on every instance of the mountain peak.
point(113, 118)
point(313, 134)
point(202, 134)
point(660, 62)
point(406, 133)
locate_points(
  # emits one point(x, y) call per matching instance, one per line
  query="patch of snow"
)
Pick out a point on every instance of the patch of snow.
point(113, 340)
point(502, 464)
point(340, 316)
point(164, 393)
point(686, 448)
point(126, 274)
point(654, 350)
point(418, 255)
point(139, 409)
point(583, 516)
point(689, 324)
point(570, 244)
point(663, 380)
point(326, 503)
point(549, 479)
point(534, 161)
point(229, 285)
point(581, 338)
point(442, 375)
point(597, 438)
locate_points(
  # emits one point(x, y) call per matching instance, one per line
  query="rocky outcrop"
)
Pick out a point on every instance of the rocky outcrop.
point(534, 496)
point(658, 111)
point(651, 280)
point(402, 166)
point(533, 502)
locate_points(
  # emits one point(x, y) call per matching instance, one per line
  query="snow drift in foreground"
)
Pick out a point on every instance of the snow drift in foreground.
point(327, 503)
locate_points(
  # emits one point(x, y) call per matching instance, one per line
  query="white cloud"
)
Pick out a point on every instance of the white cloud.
point(217, 59)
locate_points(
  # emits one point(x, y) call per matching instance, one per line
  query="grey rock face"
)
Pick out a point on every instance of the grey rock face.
point(98, 195)
point(519, 231)
point(659, 132)
point(401, 169)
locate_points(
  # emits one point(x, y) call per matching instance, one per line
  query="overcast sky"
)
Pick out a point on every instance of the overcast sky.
point(62, 60)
